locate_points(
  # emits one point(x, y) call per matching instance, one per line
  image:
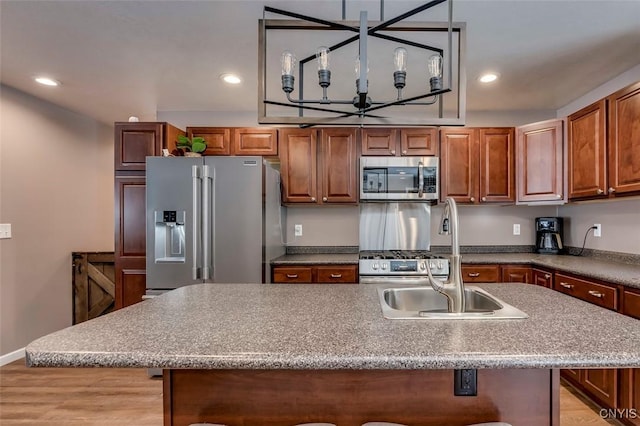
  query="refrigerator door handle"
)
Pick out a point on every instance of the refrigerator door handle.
point(194, 198)
point(206, 185)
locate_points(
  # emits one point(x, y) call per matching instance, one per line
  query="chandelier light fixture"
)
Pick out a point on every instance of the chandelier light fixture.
point(444, 53)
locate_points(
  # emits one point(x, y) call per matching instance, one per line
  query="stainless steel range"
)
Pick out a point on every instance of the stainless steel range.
point(400, 266)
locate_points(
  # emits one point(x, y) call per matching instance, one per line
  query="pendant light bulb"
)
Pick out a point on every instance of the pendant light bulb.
point(434, 66)
point(323, 58)
point(288, 62)
point(400, 56)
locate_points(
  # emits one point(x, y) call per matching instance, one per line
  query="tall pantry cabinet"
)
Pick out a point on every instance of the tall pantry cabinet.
point(133, 143)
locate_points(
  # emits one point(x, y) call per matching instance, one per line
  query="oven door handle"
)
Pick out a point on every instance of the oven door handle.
point(422, 280)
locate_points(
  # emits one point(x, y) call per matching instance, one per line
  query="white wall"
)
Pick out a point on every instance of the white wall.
point(56, 190)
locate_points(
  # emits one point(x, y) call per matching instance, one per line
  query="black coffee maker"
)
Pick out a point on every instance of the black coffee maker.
point(549, 235)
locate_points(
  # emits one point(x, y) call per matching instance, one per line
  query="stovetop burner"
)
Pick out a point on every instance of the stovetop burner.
point(398, 254)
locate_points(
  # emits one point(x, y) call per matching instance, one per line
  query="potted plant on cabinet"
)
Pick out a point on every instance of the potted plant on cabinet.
point(192, 147)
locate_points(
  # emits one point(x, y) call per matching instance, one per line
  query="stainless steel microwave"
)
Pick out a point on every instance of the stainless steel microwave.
point(399, 179)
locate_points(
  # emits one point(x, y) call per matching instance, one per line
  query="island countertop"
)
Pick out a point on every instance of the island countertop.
point(318, 326)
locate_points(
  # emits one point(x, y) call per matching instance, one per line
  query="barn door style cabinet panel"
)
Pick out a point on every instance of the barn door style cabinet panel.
point(478, 164)
point(133, 143)
point(604, 147)
point(416, 141)
point(539, 149)
point(319, 173)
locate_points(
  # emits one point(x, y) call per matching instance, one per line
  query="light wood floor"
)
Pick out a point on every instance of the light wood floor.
point(105, 396)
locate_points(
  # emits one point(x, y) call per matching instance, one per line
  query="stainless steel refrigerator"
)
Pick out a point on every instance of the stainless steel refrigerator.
point(211, 219)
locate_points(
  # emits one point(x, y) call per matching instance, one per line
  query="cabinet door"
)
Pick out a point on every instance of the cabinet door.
point(543, 278)
point(587, 151)
point(218, 139)
point(497, 165)
point(298, 159)
point(419, 141)
point(517, 274)
point(481, 273)
point(631, 303)
point(624, 140)
point(134, 142)
point(255, 141)
point(630, 394)
point(459, 164)
point(338, 165)
point(292, 274)
point(540, 162)
point(130, 239)
point(379, 141)
point(602, 384)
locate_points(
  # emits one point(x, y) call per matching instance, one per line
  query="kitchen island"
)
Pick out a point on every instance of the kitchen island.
point(286, 354)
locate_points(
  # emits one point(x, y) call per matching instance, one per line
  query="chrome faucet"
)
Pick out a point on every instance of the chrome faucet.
point(453, 287)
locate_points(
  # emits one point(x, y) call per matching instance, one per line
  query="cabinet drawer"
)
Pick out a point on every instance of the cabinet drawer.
point(294, 274)
point(631, 304)
point(598, 294)
point(337, 274)
point(480, 273)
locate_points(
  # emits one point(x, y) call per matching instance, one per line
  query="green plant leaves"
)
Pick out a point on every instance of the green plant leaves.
point(195, 144)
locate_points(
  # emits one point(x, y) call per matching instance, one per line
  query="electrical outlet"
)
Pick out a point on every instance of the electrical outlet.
point(297, 229)
point(516, 229)
point(5, 230)
point(598, 231)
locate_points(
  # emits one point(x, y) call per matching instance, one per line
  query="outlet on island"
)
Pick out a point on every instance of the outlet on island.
point(297, 230)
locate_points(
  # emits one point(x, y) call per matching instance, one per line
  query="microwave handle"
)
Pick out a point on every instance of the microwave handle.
point(420, 179)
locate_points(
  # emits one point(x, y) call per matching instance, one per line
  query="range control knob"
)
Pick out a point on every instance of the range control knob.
point(439, 264)
point(375, 266)
point(423, 266)
point(383, 266)
point(432, 264)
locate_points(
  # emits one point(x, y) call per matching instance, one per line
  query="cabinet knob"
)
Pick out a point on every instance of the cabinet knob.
point(596, 294)
point(565, 285)
point(547, 276)
point(600, 191)
point(558, 196)
point(336, 275)
point(472, 199)
point(474, 274)
point(393, 152)
point(292, 275)
point(484, 198)
point(404, 152)
point(324, 198)
point(313, 199)
point(612, 190)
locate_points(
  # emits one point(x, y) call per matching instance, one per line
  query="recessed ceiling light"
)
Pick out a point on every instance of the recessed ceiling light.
point(488, 77)
point(231, 78)
point(47, 81)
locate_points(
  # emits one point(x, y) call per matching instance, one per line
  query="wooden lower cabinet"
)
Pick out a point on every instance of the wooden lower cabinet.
point(630, 395)
point(543, 277)
point(316, 274)
point(481, 273)
point(597, 293)
point(517, 274)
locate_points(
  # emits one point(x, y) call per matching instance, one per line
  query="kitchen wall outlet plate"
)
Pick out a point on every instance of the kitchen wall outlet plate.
point(516, 229)
point(597, 232)
point(297, 229)
point(5, 230)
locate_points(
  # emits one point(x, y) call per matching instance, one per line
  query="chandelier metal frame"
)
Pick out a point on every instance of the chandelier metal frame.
point(364, 107)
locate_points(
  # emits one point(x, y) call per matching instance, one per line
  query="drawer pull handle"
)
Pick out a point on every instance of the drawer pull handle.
point(547, 276)
point(474, 274)
point(596, 294)
point(336, 275)
point(565, 285)
point(292, 275)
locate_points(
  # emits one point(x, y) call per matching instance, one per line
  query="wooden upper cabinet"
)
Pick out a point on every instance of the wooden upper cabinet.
point(136, 141)
point(298, 165)
point(539, 150)
point(587, 150)
point(413, 141)
point(497, 165)
point(218, 139)
point(379, 141)
point(459, 154)
point(419, 141)
point(624, 141)
point(338, 165)
point(255, 141)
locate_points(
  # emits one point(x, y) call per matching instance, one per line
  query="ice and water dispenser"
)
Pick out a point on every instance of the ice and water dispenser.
point(169, 236)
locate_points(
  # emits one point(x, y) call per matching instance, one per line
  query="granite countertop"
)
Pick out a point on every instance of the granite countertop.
point(605, 270)
point(324, 326)
point(316, 258)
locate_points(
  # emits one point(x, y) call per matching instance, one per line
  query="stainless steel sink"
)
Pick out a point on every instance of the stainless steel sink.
point(426, 303)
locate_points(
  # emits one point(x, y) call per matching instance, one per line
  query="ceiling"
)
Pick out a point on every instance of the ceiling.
point(121, 58)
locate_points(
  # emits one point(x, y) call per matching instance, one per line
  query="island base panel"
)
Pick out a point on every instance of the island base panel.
point(522, 397)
